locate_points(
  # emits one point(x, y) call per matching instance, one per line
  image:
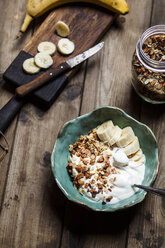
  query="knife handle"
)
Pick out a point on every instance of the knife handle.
point(42, 79)
point(9, 111)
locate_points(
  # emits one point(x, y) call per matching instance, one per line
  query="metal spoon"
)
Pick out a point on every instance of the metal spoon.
point(160, 192)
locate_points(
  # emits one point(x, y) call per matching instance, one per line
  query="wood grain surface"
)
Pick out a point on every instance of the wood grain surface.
point(34, 213)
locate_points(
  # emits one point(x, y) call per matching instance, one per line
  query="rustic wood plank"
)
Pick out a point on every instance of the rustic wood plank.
point(32, 211)
point(108, 82)
point(147, 228)
point(11, 16)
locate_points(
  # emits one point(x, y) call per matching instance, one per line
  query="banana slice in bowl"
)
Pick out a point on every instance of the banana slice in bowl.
point(136, 156)
point(132, 147)
point(105, 131)
point(116, 135)
point(141, 160)
point(127, 137)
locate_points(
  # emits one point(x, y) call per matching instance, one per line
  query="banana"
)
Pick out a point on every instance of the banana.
point(132, 147)
point(120, 158)
point(30, 67)
point(62, 29)
point(141, 160)
point(127, 137)
point(105, 131)
point(65, 46)
point(43, 60)
point(116, 135)
point(136, 156)
point(47, 47)
point(35, 8)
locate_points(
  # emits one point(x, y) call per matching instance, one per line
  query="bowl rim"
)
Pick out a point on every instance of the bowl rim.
point(71, 198)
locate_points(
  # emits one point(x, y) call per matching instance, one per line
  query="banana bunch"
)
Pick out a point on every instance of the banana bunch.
point(35, 8)
point(124, 138)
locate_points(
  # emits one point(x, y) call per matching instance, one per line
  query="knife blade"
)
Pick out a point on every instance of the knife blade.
point(54, 72)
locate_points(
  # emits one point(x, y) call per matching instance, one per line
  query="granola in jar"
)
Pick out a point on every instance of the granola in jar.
point(148, 65)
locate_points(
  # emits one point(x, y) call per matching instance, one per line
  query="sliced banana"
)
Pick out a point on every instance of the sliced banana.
point(116, 135)
point(46, 47)
point(65, 46)
point(126, 138)
point(132, 147)
point(136, 156)
point(120, 158)
point(43, 60)
point(62, 29)
point(30, 67)
point(141, 160)
point(105, 131)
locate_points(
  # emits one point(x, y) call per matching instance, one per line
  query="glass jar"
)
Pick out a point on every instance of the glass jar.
point(148, 65)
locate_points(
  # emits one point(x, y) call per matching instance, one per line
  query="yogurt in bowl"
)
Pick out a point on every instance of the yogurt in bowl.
point(102, 171)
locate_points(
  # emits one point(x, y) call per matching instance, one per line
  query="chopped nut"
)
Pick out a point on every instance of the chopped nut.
point(80, 175)
point(100, 159)
point(92, 161)
point(100, 186)
point(79, 167)
point(85, 162)
point(70, 164)
point(86, 186)
point(81, 138)
point(84, 155)
point(70, 148)
point(109, 199)
point(80, 182)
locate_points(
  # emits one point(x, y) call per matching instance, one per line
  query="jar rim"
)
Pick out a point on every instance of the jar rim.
point(153, 65)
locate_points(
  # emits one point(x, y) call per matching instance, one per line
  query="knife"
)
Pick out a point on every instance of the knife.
point(54, 72)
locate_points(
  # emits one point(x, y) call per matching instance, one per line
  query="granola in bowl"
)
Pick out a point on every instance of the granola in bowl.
point(104, 171)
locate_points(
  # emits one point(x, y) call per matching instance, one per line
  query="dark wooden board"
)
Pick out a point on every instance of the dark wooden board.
point(87, 25)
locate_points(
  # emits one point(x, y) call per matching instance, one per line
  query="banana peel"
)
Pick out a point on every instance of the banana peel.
point(35, 8)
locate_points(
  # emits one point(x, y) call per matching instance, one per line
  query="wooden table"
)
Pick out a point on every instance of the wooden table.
point(34, 213)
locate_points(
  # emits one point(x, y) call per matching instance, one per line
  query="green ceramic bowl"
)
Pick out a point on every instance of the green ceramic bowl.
point(71, 132)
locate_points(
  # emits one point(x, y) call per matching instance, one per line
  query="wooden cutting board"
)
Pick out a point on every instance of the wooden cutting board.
point(87, 25)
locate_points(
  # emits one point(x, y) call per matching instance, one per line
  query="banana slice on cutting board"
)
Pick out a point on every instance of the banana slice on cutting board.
point(132, 147)
point(62, 29)
point(46, 47)
point(136, 156)
point(105, 131)
point(65, 46)
point(116, 135)
point(43, 60)
point(30, 67)
point(126, 138)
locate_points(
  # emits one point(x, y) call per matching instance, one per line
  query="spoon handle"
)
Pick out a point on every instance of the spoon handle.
point(160, 192)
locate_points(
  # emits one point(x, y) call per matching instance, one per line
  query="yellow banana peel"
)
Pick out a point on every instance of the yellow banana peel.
point(35, 8)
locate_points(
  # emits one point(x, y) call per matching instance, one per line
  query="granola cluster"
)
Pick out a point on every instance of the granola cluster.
point(154, 47)
point(90, 167)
